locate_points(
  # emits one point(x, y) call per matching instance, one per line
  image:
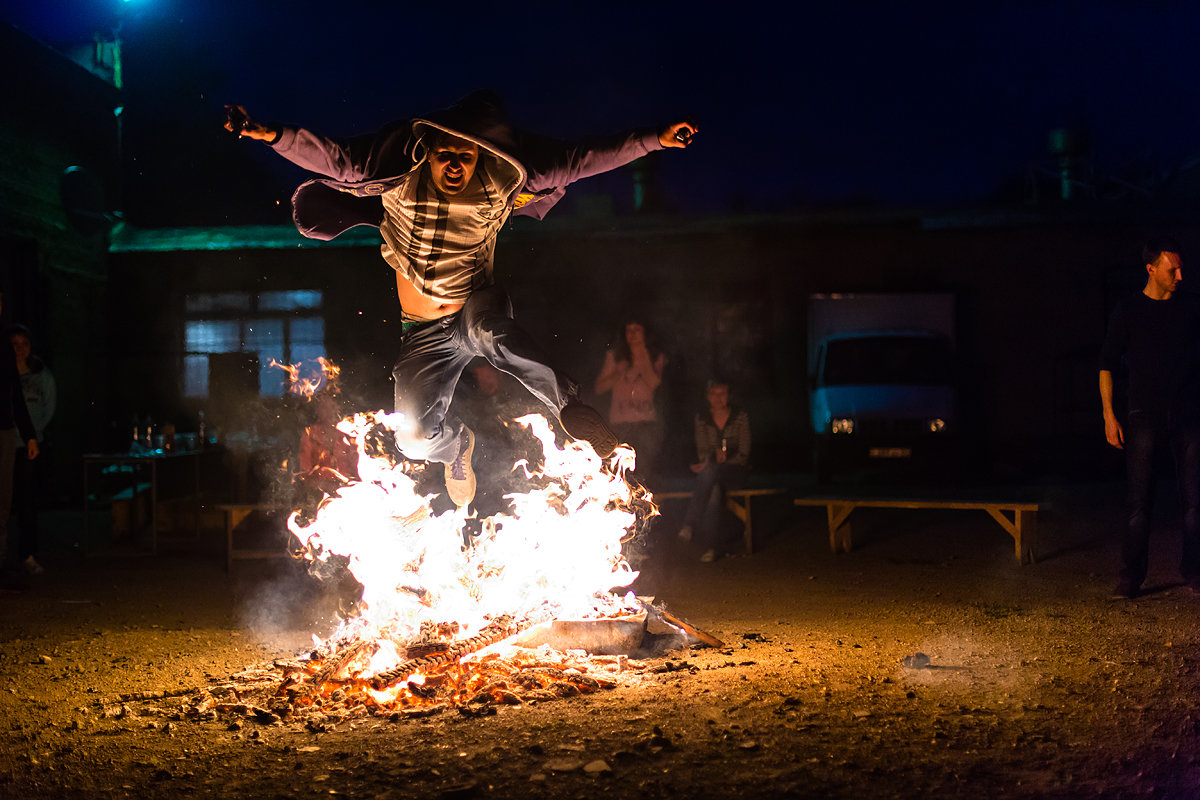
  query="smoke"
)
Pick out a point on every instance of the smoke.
point(262, 437)
point(284, 597)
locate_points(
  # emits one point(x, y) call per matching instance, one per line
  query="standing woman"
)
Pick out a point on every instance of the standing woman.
point(632, 371)
point(41, 394)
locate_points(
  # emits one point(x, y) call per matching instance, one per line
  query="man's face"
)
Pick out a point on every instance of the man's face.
point(1166, 272)
point(452, 162)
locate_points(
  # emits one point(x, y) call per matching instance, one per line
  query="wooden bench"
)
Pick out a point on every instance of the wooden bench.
point(1021, 525)
point(738, 503)
point(235, 515)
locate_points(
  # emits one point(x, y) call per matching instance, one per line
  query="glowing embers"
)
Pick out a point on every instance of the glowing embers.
point(310, 693)
point(438, 670)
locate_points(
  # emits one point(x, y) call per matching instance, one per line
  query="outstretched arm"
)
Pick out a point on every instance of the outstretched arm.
point(554, 164)
point(350, 159)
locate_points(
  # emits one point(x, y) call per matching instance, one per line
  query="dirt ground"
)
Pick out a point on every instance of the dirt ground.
point(1038, 684)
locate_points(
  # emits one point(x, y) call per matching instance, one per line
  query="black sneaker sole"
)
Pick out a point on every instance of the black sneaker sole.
point(585, 424)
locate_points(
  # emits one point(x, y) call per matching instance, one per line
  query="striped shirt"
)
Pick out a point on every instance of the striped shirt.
point(735, 437)
point(443, 245)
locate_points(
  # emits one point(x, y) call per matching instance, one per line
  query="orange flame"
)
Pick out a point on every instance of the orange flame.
point(326, 375)
point(558, 553)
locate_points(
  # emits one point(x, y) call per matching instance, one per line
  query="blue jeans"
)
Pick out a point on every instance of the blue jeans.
point(1145, 437)
point(432, 359)
point(706, 511)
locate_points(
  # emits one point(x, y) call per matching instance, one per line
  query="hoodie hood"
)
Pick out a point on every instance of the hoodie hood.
point(477, 118)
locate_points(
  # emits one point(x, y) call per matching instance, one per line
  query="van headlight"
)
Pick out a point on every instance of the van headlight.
point(841, 425)
point(935, 425)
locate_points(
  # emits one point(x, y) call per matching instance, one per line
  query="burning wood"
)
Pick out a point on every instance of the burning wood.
point(333, 666)
point(497, 631)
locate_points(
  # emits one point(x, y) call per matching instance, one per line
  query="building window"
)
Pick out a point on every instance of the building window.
point(285, 327)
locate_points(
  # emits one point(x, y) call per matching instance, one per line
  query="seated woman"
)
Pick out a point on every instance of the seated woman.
point(722, 463)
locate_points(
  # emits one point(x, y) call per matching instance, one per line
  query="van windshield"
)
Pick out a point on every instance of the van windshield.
point(888, 360)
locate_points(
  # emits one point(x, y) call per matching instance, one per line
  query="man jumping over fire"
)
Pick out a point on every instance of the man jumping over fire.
point(439, 188)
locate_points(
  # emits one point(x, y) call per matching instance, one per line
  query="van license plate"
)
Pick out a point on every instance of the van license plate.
point(891, 452)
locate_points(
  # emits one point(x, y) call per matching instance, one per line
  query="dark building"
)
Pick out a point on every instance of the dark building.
point(59, 169)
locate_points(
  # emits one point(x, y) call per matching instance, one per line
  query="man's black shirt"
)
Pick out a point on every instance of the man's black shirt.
point(1158, 342)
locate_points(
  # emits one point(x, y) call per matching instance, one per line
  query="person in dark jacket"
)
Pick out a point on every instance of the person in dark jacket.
point(14, 422)
point(29, 480)
point(722, 465)
point(439, 188)
point(1154, 335)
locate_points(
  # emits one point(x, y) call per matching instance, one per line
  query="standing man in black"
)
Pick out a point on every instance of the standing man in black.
point(14, 422)
point(1155, 335)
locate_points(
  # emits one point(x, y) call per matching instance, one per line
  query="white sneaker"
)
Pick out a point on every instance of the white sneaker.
point(685, 533)
point(32, 566)
point(460, 476)
point(708, 557)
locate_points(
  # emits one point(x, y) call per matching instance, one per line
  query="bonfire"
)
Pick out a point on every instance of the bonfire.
point(527, 605)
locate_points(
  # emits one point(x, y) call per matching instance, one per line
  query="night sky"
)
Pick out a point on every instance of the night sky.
point(845, 103)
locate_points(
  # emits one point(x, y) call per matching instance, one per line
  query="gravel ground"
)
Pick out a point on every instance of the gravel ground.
point(1038, 685)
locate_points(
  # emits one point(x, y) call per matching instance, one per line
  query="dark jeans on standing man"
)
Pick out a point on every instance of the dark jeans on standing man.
point(28, 486)
point(8, 452)
point(1147, 436)
point(432, 359)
